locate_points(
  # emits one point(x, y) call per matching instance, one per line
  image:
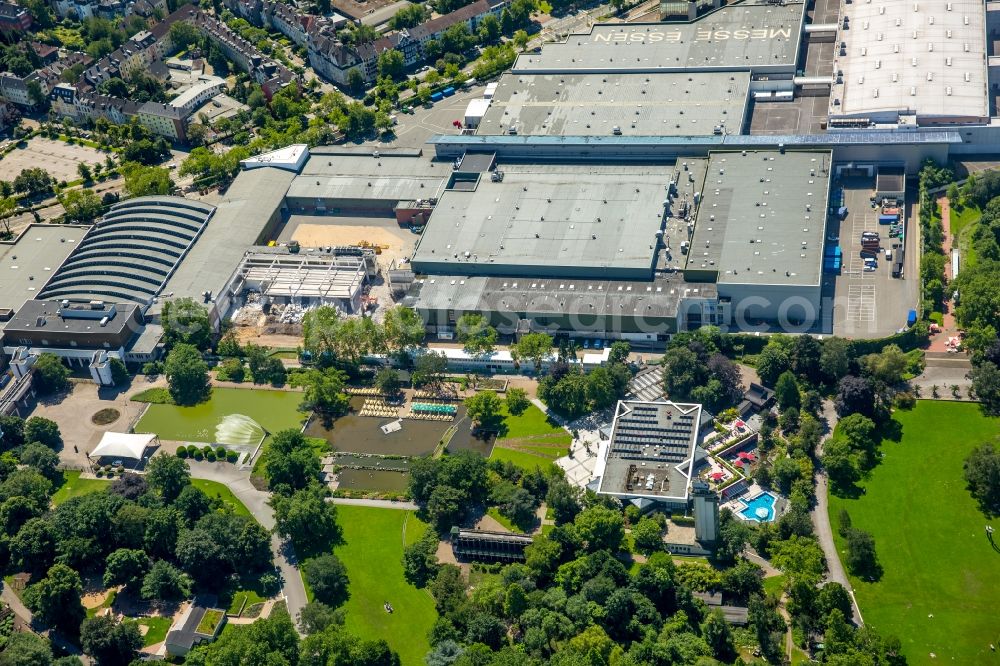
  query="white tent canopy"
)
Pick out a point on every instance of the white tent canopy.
point(122, 445)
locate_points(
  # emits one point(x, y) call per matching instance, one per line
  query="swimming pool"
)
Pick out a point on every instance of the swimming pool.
point(759, 509)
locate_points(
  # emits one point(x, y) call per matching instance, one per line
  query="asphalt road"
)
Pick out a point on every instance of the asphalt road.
point(256, 502)
point(821, 520)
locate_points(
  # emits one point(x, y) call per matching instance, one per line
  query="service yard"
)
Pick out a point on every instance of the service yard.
point(868, 304)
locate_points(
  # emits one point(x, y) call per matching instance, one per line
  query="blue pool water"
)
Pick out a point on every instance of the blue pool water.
point(760, 508)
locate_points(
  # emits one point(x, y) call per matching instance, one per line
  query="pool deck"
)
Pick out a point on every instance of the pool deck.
point(741, 502)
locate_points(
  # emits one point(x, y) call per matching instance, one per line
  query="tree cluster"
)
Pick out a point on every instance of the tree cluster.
point(567, 390)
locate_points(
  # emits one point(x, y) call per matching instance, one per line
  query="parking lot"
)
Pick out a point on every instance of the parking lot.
point(413, 131)
point(868, 304)
point(58, 158)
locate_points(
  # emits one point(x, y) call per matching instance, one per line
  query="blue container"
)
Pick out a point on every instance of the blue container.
point(436, 97)
point(448, 92)
point(888, 219)
point(911, 318)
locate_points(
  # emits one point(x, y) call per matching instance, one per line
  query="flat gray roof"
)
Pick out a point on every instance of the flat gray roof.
point(927, 58)
point(651, 450)
point(762, 217)
point(756, 36)
point(571, 220)
point(535, 296)
point(30, 260)
point(397, 187)
point(241, 216)
point(637, 104)
point(120, 317)
point(347, 161)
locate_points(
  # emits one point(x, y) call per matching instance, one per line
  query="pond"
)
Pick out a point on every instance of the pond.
point(363, 434)
point(272, 410)
point(374, 480)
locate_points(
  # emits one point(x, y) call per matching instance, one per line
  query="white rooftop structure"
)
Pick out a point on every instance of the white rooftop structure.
point(289, 158)
point(911, 62)
point(123, 445)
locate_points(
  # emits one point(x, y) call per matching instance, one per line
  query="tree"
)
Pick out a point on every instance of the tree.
point(51, 376)
point(186, 322)
point(81, 205)
point(307, 519)
point(982, 474)
point(26, 648)
point(141, 181)
point(34, 546)
point(475, 332)
point(600, 528)
point(564, 500)
point(168, 475)
point(841, 463)
point(985, 378)
point(773, 360)
point(446, 507)
point(683, 371)
point(533, 347)
point(187, 375)
point(271, 641)
point(12, 428)
point(862, 560)
point(835, 358)
point(428, 368)
point(165, 582)
point(886, 367)
point(420, 559)
point(484, 409)
point(355, 81)
point(786, 390)
point(402, 328)
point(517, 401)
point(110, 642)
point(521, 39)
point(387, 381)
point(316, 616)
point(126, 566)
point(42, 458)
point(119, 373)
point(390, 63)
point(648, 535)
point(719, 636)
point(326, 575)
point(290, 464)
point(324, 391)
point(192, 503)
point(856, 396)
point(55, 600)
point(44, 431)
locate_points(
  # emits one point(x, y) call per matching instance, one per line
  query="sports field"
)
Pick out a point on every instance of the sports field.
point(372, 552)
point(939, 590)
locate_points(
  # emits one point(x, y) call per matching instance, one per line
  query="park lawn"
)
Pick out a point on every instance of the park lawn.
point(938, 590)
point(372, 551)
point(963, 226)
point(74, 486)
point(158, 628)
point(495, 514)
point(237, 605)
point(532, 422)
point(214, 489)
point(524, 459)
point(775, 585)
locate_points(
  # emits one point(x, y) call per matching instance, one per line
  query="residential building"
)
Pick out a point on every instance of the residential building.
point(14, 18)
point(163, 119)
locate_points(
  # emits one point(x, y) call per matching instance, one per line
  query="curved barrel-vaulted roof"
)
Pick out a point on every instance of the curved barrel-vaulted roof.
point(131, 252)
